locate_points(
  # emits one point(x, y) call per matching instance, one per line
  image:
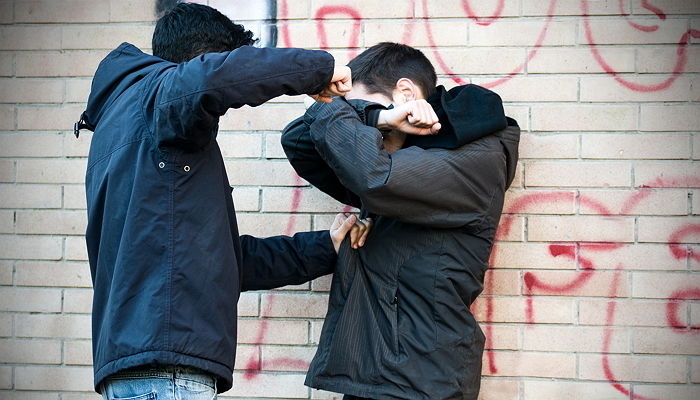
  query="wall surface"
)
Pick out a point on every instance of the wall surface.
point(595, 282)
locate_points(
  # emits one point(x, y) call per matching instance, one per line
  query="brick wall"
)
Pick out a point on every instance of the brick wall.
point(595, 279)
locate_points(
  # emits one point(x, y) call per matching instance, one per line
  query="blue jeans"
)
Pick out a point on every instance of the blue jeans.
point(163, 383)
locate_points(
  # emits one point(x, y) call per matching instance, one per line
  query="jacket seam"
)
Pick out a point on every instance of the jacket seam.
point(94, 163)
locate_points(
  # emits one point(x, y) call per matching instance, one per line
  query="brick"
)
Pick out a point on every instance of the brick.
point(669, 7)
point(30, 351)
point(77, 147)
point(6, 12)
point(528, 256)
point(580, 60)
point(696, 146)
point(294, 305)
point(316, 327)
point(595, 284)
point(7, 63)
point(559, 33)
point(25, 395)
point(536, 89)
point(539, 202)
point(7, 222)
point(580, 228)
point(30, 196)
point(484, 9)
point(255, 331)
point(53, 326)
point(512, 309)
point(502, 283)
point(502, 337)
point(478, 60)
point(551, 365)
point(6, 325)
point(78, 352)
point(577, 174)
point(675, 392)
point(51, 171)
point(74, 197)
point(324, 395)
point(662, 59)
point(639, 146)
point(694, 314)
point(30, 247)
point(625, 312)
point(266, 225)
point(259, 118)
point(548, 146)
point(338, 34)
point(77, 91)
point(53, 274)
point(634, 368)
point(298, 200)
point(132, 10)
point(601, 89)
point(48, 117)
point(606, 33)
point(79, 37)
point(247, 357)
point(445, 32)
point(268, 173)
point(366, 8)
point(54, 378)
point(242, 12)
point(268, 385)
point(30, 37)
point(77, 301)
point(240, 145)
point(5, 378)
point(522, 116)
point(30, 300)
point(515, 231)
point(573, 339)
point(644, 256)
point(664, 341)
point(43, 11)
point(246, 198)
point(248, 305)
point(30, 145)
point(7, 170)
point(667, 229)
point(76, 249)
point(685, 118)
point(322, 283)
point(287, 358)
point(273, 147)
point(6, 271)
point(667, 174)
point(7, 118)
point(52, 222)
point(69, 64)
point(536, 390)
point(638, 202)
point(499, 389)
point(695, 370)
point(584, 118)
point(661, 285)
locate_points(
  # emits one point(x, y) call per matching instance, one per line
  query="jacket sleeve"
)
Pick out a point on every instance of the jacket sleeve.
point(193, 95)
point(302, 154)
point(282, 260)
point(434, 187)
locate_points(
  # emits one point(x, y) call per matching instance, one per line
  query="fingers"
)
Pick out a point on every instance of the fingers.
point(421, 114)
point(359, 232)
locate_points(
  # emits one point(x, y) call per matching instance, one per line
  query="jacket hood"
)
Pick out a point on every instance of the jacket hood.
point(122, 68)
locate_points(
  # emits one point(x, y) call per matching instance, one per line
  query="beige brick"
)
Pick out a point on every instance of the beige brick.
point(594, 284)
point(696, 146)
point(240, 145)
point(30, 247)
point(579, 228)
point(51, 171)
point(7, 118)
point(536, 89)
point(30, 37)
point(502, 283)
point(7, 222)
point(338, 34)
point(25, 395)
point(256, 331)
point(479, 60)
point(606, 33)
point(294, 305)
point(559, 33)
point(7, 62)
point(663, 59)
point(503, 337)
point(674, 117)
point(675, 392)
point(247, 357)
point(667, 174)
point(299, 200)
point(521, 115)
point(635, 257)
point(696, 202)
point(102, 36)
point(70, 64)
point(78, 352)
point(580, 60)
point(550, 365)
point(695, 370)
point(5, 377)
point(271, 117)
point(324, 395)
point(667, 229)
point(483, 9)
point(539, 202)
point(638, 146)
point(43, 11)
point(661, 285)
point(30, 196)
point(76, 249)
point(573, 339)
point(316, 327)
point(366, 8)
point(132, 10)
point(7, 170)
point(53, 274)
point(548, 146)
point(74, 197)
point(77, 301)
point(268, 173)
point(268, 385)
point(511, 309)
point(625, 312)
point(246, 198)
point(77, 147)
point(30, 300)
point(445, 32)
point(266, 225)
point(639, 202)
point(528, 256)
point(6, 325)
point(577, 174)
point(634, 368)
point(48, 118)
point(53, 326)
point(601, 89)
point(322, 284)
point(31, 145)
point(248, 305)
point(273, 147)
point(30, 351)
point(515, 231)
point(669, 7)
point(6, 11)
point(694, 314)
point(664, 341)
point(6, 268)
point(54, 378)
point(77, 91)
point(287, 358)
point(538, 390)
point(584, 118)
point(52, 222)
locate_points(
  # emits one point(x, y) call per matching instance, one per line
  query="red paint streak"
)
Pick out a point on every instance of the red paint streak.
point(438, 57)
point(643, 28)
point(324, 11)
point(284, 26)
point(410, 26)
point(489, 329)
point(673, 182)
point(672, 310)
point(483, 21)
point(632, 202)
point(659, 13)
point(676, 238)
point(595, 204)
point(286, 363)
point(677, 69)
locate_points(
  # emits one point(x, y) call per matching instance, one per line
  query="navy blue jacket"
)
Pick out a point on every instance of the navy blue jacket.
point(166, 258)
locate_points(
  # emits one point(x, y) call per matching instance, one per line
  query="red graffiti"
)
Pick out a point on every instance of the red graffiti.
point(643, 28)
point(356, 25)
point(676, 239)
point(672, 309)
point(484, 21)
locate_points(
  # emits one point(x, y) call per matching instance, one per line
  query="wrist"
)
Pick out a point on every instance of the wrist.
point(382, 121)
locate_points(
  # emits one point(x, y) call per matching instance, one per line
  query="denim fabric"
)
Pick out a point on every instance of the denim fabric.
point(169, 383)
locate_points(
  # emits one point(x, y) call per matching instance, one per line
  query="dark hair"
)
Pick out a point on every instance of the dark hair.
point(382, 65)
point(188, 30)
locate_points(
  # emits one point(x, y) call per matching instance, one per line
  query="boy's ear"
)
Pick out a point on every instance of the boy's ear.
point(407, 89)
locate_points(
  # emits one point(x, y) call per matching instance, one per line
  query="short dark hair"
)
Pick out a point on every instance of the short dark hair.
point(188, 30)
point(382, 65)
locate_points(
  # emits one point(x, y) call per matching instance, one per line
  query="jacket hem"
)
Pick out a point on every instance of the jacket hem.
point(352, 389)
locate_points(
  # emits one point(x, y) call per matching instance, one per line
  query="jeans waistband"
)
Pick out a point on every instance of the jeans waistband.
point(167, 371)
